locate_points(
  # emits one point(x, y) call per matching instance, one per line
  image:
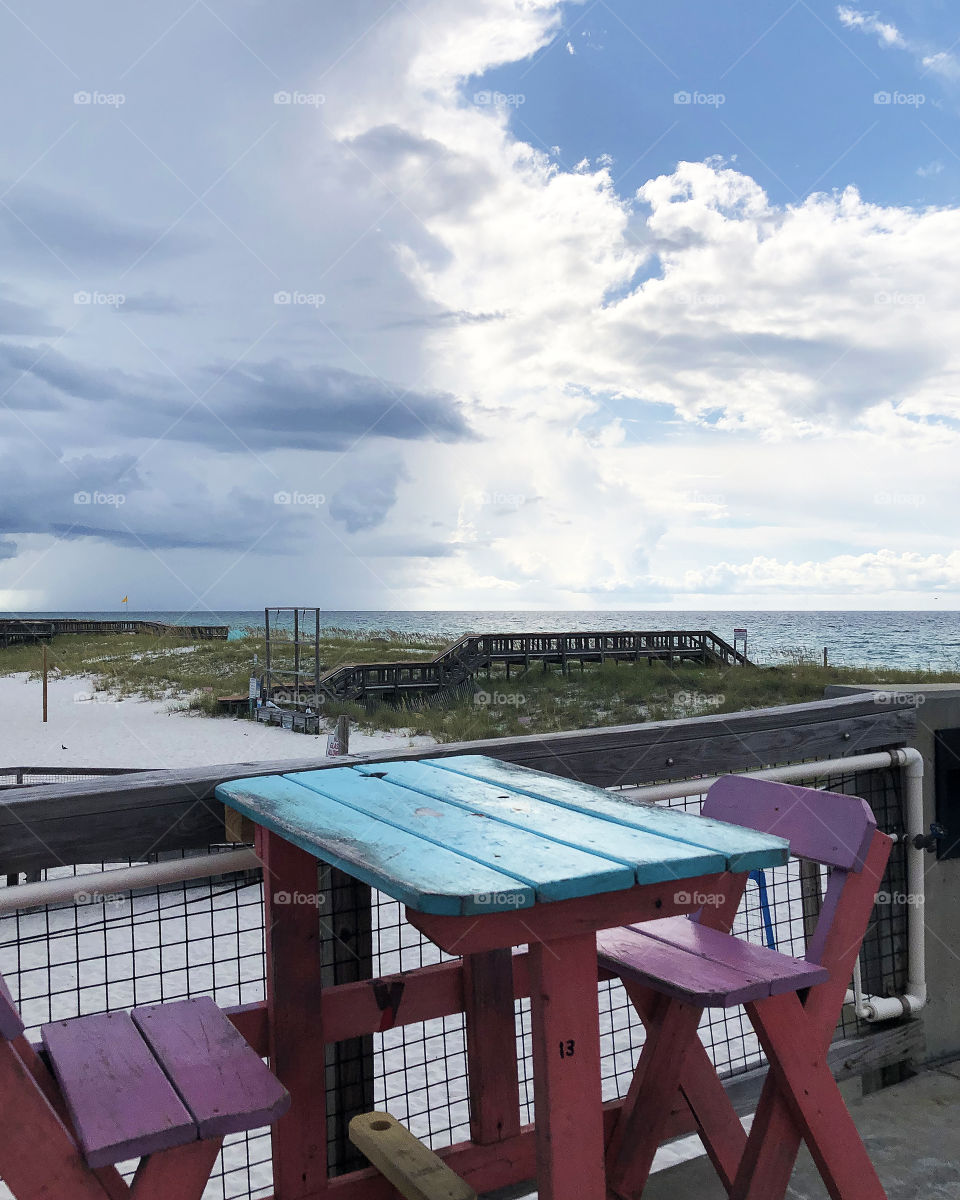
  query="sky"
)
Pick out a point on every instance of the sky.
point(510, 304)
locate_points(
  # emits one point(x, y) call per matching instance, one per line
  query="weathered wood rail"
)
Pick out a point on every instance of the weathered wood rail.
point(19, 631)
point(478, 651)
point(128, 817)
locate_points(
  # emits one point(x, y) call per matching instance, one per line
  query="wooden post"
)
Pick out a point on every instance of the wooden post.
point(294, 1008)
point(343, 734)
point(296, 654)
point(44, 682)
point(824, 656)
point(566, 1068)
point(491, 1038)
point(346, 956)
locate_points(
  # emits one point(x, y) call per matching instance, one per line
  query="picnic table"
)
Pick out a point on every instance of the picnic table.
point(487, 857)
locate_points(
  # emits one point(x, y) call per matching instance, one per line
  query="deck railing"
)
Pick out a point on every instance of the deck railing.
point(115, 948)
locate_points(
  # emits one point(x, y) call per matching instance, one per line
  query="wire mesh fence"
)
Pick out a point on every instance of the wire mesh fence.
point(112, 951)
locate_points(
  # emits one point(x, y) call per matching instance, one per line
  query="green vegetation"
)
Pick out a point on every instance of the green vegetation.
point(194, 674)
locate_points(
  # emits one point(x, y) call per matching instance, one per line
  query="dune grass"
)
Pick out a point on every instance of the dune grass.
point(160, 668)
point(193, 674)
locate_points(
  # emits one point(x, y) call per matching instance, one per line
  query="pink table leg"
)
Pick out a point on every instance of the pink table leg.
point(294, 1006)
point(566, 1068)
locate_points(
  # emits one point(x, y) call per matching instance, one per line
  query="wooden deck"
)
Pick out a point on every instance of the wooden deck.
point(479, 651)
point(15, 631)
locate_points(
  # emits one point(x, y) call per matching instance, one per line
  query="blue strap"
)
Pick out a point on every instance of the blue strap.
point(760, 879)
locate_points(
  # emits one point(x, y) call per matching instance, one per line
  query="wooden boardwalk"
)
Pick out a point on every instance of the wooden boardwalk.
point(18, 631)
point(475, 652)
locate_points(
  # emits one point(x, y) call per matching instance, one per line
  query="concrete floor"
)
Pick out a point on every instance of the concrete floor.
point(911, 1131)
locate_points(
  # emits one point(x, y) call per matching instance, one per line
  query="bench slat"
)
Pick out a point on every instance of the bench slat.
point(219, 1076)
point(675, 972)
point(121, 1103)
point(783, 973)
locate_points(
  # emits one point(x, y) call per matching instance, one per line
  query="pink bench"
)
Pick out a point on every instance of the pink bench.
point(674, 968)
point(163, 1084)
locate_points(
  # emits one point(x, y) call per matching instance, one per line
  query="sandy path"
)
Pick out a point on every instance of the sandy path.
point(102, 732)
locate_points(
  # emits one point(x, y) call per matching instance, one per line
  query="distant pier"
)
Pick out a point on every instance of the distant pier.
point(15, 631)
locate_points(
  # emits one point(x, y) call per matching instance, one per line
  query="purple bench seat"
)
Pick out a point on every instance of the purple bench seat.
point(703, 966)
point(161, 1077)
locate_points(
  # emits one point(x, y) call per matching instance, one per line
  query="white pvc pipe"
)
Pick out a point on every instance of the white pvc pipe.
point(98, 886)
point(869, 1008)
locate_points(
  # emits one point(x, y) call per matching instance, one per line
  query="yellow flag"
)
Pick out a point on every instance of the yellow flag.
point(124, 600)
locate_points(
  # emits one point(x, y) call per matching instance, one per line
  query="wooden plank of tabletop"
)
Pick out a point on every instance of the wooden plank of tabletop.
point(745, 849)
point(555, 870)
point(405, 867)
point(652, 857)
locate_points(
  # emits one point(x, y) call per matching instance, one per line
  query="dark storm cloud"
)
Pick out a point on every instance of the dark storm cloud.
point(275, 404)
point(37, 224)
point(23, 319)
point(367, 507)
point(265, 406)
point(107, 499)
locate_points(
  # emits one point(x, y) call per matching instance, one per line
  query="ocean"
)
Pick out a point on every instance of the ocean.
point(925, 640)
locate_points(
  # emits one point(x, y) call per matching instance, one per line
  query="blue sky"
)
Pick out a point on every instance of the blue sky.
point(797, 87)
point(511, 304)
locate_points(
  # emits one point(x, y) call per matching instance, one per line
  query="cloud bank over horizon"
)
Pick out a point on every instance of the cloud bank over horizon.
point(328, 315)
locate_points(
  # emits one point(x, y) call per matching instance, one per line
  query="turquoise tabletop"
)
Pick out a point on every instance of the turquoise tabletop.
point(470, 834)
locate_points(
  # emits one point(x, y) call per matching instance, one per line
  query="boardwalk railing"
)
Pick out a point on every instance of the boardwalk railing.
point(479, 651)
point(14, 630)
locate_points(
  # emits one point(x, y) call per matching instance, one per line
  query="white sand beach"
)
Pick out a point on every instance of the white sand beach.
point(93, 729)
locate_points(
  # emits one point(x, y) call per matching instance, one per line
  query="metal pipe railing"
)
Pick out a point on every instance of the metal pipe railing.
point(94, 886)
